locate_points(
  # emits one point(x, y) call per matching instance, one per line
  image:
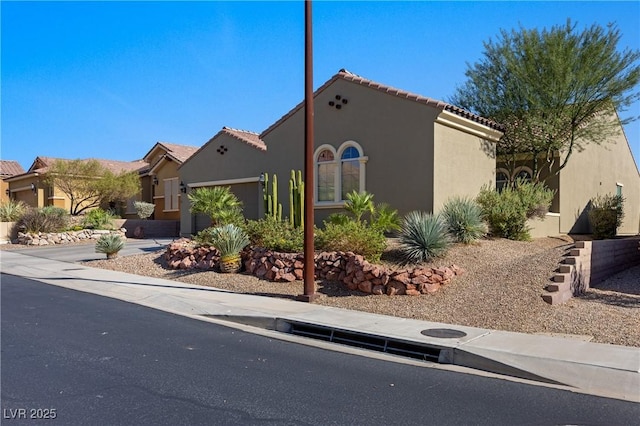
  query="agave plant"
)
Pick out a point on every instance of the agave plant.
point(110, 244)
point(423, 236)
point(229, 240)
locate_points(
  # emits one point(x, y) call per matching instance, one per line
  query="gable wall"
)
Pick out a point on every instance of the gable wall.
point(240, 161)
point(463, 163)
point(595, 171)
point(395, 134)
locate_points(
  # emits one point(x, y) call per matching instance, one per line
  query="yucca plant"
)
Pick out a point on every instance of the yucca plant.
point(229, 240)
point(12, 210)
point(423, 236)
point(463, 218)
point(110, 244)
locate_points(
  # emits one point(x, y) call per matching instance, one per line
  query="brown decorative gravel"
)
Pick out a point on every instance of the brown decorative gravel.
point(500, 289)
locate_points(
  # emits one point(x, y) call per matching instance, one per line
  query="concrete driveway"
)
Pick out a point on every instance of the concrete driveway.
point(83, 252)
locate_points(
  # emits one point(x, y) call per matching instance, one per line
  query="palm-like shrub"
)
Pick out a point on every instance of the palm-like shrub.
point(144, 209)
point(98, 219)
point(423, 236)
point(463, 218)
point(44, 219)
point(110, 244)
point(359, 203)
point(217, 202)
point(12, 210)
point(229, 240)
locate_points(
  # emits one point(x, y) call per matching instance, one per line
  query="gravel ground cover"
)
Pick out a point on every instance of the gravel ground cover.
point(500, 290)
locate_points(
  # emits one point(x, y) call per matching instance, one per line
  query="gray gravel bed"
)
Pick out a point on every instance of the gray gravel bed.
point(501, 289)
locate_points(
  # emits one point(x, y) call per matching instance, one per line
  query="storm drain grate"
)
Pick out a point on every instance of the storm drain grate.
point(365, 341)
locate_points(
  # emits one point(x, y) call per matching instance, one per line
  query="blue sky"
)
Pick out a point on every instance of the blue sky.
point(109, 79)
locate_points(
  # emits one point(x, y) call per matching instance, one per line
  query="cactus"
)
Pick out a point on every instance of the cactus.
point(296, 199)
point(270, 198)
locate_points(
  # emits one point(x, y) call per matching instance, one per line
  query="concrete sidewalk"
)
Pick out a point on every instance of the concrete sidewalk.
point(599, 369)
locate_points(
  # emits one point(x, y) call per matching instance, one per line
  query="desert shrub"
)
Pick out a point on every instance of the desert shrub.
point(358, 204)
point(12, 210)
point(352, 236)
point(423, 236)
point(98, 219)
point(605, 215)
point(228, 239)
point(276, 235)
point(144, 209)
point(110, 244)
point(44, 219)
point(463, 218)
point(507, 211)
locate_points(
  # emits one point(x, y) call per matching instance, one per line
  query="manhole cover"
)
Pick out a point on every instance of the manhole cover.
point(443, 333)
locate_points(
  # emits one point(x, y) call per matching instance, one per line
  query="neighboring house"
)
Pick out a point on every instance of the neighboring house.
point(160, 183)
point(30, 188)
point(410, 151)
point(603, 169)
point(8, 168)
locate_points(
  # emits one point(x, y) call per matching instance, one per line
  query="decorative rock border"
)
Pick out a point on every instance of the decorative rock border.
point(52, 238)
point(346, 267)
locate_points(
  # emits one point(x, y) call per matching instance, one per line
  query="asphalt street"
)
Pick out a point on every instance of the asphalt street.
point(87, 359)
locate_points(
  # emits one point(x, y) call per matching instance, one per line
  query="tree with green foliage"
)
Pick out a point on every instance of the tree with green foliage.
point(87, 183)
point(555, 91)
point(217, 202)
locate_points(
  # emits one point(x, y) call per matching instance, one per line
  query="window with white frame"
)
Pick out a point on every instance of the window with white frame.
point(502, 179)
point(171, 194)
point(338, 172)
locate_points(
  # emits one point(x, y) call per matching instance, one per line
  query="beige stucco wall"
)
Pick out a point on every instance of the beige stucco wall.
point(395, 135)
point(463, 163)
point(596, 171)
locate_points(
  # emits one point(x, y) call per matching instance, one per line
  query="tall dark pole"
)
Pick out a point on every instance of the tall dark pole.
point(309, 264)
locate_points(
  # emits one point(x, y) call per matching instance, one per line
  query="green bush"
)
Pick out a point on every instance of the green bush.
point(507, 211)
point(423, 236)
point(217, 202)
point(352, 236)
point(110, 244)
point(12, 210)
point(44, 219)
point(276, 235)
point(143, 209)
point(463, 218)
point(98, 219)
point(605, 215)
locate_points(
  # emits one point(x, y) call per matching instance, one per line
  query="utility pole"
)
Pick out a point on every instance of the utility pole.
point(309, 265)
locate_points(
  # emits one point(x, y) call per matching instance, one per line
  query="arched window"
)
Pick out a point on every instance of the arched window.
point(523, 173)
point(338, 172)
point(502, 179)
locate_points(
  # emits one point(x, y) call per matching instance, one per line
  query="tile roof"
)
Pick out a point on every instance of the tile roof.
point(343, 74)
point(179, 152)
point(10, 168)
point(247, 137)
point(42, 164)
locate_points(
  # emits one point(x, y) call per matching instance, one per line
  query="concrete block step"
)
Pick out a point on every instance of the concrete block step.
point(557, 298)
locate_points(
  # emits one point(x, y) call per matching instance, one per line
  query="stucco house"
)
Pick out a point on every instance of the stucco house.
point(410, 151)
point(30, 188)
point(8, 168)
point(160, 182)
point(608, 168)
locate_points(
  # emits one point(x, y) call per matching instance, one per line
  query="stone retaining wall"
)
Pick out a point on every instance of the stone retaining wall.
point(589, 263)
point(150, 228)
point(346, 267)
point(45, 239)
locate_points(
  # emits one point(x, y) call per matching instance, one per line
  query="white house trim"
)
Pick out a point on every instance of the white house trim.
point(458, 122)
point(223, 182)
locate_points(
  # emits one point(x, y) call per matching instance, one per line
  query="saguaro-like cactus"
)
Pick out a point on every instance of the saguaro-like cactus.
point(296, 199)
point(270, 198)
